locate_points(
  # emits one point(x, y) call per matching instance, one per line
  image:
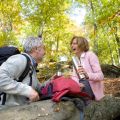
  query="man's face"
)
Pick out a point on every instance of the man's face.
point(40, 52)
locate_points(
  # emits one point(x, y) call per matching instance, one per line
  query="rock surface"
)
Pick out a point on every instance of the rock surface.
point(106, 109)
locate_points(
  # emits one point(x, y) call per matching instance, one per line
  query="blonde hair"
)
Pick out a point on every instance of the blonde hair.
point(82, 43)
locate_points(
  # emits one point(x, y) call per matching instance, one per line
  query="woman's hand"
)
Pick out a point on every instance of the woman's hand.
point(81, 70)
point(81, 85)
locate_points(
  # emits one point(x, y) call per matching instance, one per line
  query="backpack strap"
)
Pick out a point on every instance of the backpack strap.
point(3, 95)
point(27, 69)
point(4, 98)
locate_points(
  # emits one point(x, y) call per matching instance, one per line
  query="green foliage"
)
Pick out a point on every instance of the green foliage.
point(9, 22)
point(22, 18)
point(103, 17)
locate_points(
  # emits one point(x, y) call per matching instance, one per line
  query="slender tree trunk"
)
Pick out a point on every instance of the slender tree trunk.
point(117, 38)
point(57, 46)
point(95, 27)
point(109, 46)
point(112, 58)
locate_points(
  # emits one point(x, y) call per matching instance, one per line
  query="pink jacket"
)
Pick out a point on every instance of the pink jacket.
point(91, 65)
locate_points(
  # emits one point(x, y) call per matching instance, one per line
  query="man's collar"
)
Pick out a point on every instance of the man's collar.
point(33, 61)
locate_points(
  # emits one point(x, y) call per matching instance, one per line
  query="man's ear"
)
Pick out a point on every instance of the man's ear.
point(33, 50)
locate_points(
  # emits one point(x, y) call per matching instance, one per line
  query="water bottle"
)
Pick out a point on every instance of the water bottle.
point(59, 71)
point(77, 64)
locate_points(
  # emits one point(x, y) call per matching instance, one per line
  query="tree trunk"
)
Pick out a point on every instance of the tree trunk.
point(106, 109)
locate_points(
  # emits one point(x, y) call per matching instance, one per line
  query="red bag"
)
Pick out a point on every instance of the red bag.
point(66, 86)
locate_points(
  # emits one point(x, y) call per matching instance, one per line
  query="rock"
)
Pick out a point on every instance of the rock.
point(107, 109)
point(42, 110)
point(111, 70)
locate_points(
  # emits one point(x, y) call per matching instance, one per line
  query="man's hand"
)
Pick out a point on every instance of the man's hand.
point(34, 96)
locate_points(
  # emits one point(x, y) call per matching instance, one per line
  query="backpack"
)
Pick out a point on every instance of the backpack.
point(5, 53)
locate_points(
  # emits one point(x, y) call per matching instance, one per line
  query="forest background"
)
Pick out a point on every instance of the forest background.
point(52, 20)
point(55, 21)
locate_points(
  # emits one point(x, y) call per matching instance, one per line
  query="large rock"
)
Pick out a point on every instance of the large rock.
point(106, 109)
point(42, 110)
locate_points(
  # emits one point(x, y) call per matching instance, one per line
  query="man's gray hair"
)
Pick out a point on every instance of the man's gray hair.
point(32, 42)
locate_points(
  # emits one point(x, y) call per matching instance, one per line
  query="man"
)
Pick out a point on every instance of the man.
point(18, 93)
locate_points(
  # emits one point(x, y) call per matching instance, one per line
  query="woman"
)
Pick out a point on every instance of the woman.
point(90, 66)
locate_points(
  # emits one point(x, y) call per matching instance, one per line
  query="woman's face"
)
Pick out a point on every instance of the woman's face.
point(74, 46)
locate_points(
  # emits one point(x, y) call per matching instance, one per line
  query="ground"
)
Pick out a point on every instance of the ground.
point(112, 86)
